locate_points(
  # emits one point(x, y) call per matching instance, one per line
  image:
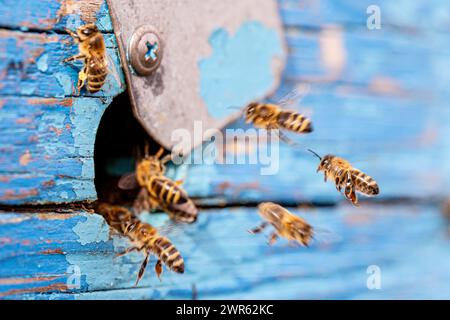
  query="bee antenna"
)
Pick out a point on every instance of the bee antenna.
point(146, 149)
point(320, 158)
point(159, 153)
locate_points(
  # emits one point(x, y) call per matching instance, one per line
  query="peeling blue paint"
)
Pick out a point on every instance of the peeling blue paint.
point(66, 83)
point(93, 229)
point(240, 67)
point(42, 63)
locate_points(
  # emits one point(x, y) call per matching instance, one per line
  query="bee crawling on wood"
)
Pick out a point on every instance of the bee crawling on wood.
point(346, 177)
point(158, 191)
point(145, 238)
point(286, 224)
point(92, 51)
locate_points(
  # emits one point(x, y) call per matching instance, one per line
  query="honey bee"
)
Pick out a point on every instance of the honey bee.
point(346, 177)
point(286, 224)
point(145, 238)
point(271, 116)
point(92, 51)
point(158, 191)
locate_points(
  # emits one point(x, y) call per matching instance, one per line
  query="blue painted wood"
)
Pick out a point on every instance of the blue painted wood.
point(378, 98)
point(403, 14)
point(31, 65)
point(398, 141)
point(408, 243)
point(48, 128)
point(367, 79)
point(51, 15)
point(47, 149)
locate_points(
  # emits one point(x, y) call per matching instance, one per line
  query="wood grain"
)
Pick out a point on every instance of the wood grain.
point(224, 261)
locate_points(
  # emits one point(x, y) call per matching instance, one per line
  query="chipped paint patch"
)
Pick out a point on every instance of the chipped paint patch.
point(42, 63)
point(239, 68)
point(93, 229)
point(102, 270)
point(65, 82)
point(86, 9)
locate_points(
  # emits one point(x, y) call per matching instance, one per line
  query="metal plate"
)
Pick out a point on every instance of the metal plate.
point(217, 54)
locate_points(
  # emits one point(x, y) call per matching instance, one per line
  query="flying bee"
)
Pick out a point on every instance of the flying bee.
point(145, 238)
point(271, 116)
point(286, 224)
point(92, 51)
point(158, 191)
point(346, 177)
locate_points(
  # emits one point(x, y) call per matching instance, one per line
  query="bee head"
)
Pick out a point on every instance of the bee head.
point(250, 111)
point(324, 162)
point(87, 31)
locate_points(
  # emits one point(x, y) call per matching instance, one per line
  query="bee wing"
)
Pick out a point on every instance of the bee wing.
point(281, 136)
point(128, 182)
point(111, 67)
point(172, 229)
point(295, 96)
point(142, 202)
point(325, 236)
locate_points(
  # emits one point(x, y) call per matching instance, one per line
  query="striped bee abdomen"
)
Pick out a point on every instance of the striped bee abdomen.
point(168, 254)
point(364, 183)
point(173, 199)
point(294, 121)
point(96, 74)
point(167, 191)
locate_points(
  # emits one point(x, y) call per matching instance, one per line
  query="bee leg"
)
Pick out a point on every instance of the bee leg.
point(259, 228)
point(158, 269)
point(82, 77)
point(142, 269)
point(350, 193)
point(166, 159)
point(73, 35)
point(179, 182)
point(153, 204)
point(131, 249)
point(285, 139)
point(75, 57)
point(273, 238)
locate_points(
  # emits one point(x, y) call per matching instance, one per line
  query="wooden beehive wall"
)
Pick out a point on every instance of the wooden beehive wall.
point(377, 97)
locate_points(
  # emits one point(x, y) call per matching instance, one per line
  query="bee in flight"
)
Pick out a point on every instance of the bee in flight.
point(286, 224)
point(275, 117)
point(271, 116)
point(346, 177)
point(158, 191)
point(92, 51)
point(145, 238)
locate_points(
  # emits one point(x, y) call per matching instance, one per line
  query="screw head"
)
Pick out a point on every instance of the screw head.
point(145, 50)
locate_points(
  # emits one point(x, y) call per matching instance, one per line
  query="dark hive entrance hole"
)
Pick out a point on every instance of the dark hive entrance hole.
point(118, 137)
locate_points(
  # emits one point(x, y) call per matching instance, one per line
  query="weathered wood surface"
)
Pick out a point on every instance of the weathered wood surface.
point(378, 98)
point(39, 253)
point(371, 101)
point(48, 128)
